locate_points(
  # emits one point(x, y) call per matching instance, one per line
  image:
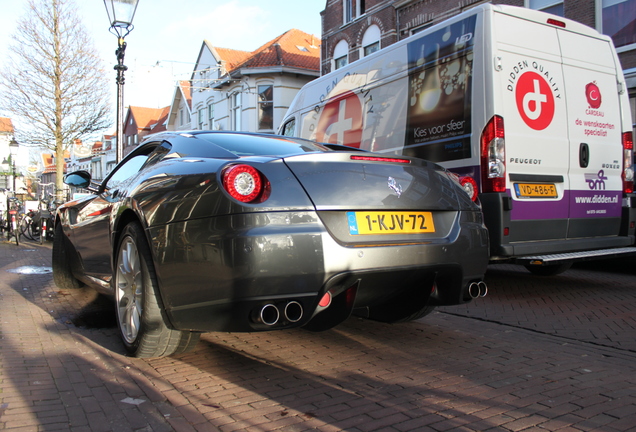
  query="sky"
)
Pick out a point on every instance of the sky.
point(168, 35)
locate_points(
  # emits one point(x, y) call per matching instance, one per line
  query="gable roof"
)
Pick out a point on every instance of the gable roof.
point(6, 125)
point(146, 118)
point(231, 57)
point(186, 89)
point(293, 49)
point(162, 121)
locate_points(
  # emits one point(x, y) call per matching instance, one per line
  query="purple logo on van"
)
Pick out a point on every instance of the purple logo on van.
point(596, 181)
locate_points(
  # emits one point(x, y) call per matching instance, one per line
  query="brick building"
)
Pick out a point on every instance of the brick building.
point(352, 29)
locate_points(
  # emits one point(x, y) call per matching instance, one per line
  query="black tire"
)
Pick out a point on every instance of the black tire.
point(61, 262)
point(548, 270)
point(140, 315)
point(24, 228)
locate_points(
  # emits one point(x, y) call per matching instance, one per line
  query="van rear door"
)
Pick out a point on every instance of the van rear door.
point(531, 91)
point(594, 127)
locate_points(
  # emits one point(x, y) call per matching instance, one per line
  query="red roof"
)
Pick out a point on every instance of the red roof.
point(160, 126)
point(48, 162)
point(6, 125)
point(294, 48)
point(232, 57)
point(149, 119)
point(186, 88)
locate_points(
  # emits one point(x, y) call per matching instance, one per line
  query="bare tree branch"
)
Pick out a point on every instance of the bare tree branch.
point(53, 81)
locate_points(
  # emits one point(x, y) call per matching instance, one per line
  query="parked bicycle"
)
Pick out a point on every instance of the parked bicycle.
point(11, 222)
point(47, 212)
point(30, 225)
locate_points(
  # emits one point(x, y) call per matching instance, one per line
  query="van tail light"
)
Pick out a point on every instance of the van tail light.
point(493, 156)
point(245, 183)
point(628, 162)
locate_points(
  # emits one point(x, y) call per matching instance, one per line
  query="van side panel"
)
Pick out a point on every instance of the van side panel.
point(440, 88)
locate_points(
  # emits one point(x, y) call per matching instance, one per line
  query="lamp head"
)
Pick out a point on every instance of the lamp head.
point(120, 16)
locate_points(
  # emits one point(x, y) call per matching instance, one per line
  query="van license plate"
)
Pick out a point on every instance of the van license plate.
point(365, 223)
point(535, 190)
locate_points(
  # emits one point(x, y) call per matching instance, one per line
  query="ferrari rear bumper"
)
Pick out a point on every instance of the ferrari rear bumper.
point(243, 272)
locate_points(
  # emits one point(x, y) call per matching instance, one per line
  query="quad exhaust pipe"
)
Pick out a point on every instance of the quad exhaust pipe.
point(270, 314)
point(477, 289)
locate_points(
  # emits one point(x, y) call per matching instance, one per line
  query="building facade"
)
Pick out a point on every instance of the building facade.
point(352, 29)
point(142, 121)
point(6, 136)
point(246, 91)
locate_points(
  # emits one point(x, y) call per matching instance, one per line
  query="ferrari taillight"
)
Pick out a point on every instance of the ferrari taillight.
point(245, 183)
point(493, 156)
point(470, 186)
point(628, 167)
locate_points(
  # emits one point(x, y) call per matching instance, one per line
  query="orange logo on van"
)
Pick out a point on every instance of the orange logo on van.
point(535, 101)
point(593, 95)
point(341, 121)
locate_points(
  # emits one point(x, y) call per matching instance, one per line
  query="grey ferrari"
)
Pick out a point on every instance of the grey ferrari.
point(220, 231)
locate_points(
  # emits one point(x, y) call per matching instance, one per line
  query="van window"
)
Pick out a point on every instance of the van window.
point(289, 128)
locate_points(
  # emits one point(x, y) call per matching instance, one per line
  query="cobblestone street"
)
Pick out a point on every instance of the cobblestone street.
point(556, 354)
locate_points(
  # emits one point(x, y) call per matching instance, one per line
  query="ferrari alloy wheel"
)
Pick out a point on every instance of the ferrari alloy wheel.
point(140, 316)
point(129, 285)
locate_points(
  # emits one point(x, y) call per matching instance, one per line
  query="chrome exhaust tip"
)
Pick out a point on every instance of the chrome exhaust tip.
point(478, 289)
point(269, 315)
point(293, 311)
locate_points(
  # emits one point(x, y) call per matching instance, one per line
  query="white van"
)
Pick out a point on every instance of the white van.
point(529, 109)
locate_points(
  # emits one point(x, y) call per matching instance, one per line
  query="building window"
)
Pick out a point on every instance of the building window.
point(554, 7)
point(201, 117)
point(619, 21)
point(235, 109)
point(181, 118)
point(266, 107)
point(371, 40)
point(211, 115)
point(370, 49)
point(352, 9)
point(341, 54)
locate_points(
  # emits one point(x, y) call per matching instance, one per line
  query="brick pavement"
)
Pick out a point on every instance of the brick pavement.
point(523, 359)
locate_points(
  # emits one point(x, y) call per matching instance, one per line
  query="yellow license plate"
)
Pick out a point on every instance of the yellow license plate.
point(536, 190)
point(365, 223)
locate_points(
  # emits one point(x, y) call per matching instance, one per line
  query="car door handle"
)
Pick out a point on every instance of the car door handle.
point(584, 155)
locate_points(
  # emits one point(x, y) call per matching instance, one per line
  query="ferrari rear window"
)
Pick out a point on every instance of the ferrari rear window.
point(258, 145)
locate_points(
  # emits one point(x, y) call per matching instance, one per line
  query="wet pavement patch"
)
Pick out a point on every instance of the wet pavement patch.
point(31, 270)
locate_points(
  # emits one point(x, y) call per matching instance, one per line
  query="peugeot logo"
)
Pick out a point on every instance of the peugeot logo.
point(395, 186)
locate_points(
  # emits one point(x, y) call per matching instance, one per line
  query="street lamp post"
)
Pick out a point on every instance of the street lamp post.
point(13, 149)
point(120, 16)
